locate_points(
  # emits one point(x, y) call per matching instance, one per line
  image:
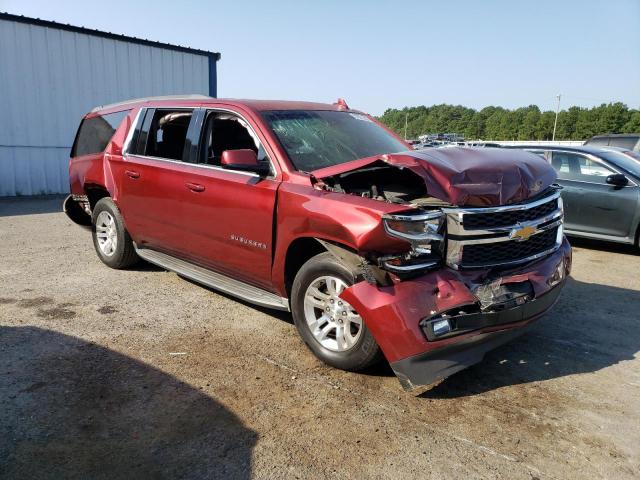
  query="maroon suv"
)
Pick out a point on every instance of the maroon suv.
point(428, 259)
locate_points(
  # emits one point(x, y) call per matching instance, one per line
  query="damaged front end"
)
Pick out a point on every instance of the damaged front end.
point(439, 323)
point(434, 190)
point(485, 253)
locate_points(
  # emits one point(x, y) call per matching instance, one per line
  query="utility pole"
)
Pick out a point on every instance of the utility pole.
point(555, 124)
point(406, 120)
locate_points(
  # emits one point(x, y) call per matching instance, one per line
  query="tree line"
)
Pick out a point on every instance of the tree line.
point(525, 123)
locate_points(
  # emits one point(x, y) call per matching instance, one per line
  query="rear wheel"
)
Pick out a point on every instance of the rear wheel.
point(332, 329)
point(110, 239)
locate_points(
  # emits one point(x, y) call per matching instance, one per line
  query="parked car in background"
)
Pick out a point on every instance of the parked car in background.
point(601, 190)
point(623, 140)
point(429, 258)
point(481, 144)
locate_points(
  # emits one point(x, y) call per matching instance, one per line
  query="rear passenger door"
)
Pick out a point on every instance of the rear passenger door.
point(152, 181)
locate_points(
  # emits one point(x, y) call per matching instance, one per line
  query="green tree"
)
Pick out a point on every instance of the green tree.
point(525, 123)
point(611, 118)
point(544, 129)
point(633, 125)
point(528, 127)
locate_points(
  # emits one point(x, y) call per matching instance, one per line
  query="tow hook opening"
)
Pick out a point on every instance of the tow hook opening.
point(497, 305)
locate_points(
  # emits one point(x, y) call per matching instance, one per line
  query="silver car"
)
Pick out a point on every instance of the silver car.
point(601, 192)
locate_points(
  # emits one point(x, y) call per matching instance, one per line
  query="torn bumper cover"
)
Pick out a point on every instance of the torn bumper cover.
point(77, 208)
point(440, 323)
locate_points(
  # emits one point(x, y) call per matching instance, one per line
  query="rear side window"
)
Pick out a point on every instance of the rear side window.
point(163, 134)
point(94, 133)
point(624, 142)
point(597, 141)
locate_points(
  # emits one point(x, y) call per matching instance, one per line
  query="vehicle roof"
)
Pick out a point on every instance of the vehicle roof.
point(203, 100)
point(594, 149)
point(616, 135)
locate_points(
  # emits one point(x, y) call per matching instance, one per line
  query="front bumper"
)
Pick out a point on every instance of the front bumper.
point(396, 315)
point(434, 365)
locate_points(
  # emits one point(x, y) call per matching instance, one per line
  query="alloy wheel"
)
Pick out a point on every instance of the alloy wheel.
point(106, 233)
point(333, 322)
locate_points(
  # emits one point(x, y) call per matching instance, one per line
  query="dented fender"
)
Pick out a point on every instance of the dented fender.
point(393, 313)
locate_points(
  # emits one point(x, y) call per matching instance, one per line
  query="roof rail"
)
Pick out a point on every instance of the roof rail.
point(193, 96)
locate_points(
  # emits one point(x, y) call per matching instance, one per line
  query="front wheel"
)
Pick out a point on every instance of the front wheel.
point(331, 327)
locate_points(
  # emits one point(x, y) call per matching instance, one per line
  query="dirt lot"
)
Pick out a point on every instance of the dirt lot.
point(142, 374)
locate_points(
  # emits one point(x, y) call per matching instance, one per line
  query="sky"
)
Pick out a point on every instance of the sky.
point(392, 54)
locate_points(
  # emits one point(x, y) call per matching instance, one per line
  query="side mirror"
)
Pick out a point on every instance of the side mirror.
point(617, 180)
point(243, 159)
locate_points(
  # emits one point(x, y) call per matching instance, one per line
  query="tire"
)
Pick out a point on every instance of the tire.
point(110, 239)
point(355, 348)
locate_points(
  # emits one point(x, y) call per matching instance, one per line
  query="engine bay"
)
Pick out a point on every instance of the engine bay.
point(383, 182)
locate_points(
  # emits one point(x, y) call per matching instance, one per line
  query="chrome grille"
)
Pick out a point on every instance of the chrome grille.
point(483, 254)
point(512, 234)
point(481, 221)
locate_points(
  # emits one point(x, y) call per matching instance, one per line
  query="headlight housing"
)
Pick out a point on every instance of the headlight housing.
point(424, 231)
point(419, 229)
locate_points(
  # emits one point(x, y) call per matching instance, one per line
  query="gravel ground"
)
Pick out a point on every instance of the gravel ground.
point(142, 374)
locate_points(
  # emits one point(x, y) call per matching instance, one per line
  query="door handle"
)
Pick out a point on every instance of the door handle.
point(132, 174)
point(194, 187)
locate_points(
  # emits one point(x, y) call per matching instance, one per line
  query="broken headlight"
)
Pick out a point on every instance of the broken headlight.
point(424, 231)
point(418, 229)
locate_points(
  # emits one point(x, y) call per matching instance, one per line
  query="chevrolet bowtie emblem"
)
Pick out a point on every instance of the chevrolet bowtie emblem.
point(521, 234)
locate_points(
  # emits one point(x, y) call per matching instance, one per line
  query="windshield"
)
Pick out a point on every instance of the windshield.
point(629, 161)
point(316, 139)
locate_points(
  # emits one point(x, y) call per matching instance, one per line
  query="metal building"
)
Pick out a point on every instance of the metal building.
point(51, 74)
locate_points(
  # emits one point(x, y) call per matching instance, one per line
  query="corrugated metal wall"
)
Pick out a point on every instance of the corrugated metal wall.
point(49, 78)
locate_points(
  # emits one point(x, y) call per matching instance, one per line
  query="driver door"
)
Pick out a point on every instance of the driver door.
point(229, 214)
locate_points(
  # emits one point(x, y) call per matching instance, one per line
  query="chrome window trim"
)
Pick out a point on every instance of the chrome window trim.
point(187, 164)
point(631, 183)
point(138, 119)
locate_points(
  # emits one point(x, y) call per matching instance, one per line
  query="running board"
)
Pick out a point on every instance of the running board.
point(214, 280)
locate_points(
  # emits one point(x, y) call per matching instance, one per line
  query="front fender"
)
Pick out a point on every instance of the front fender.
point(348, 220)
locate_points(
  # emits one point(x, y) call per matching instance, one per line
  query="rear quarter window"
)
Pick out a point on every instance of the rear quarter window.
point(597, 141)
point(94, 133)
point(624, 142)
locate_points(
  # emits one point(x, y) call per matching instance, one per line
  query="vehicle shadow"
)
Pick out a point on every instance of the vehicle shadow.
point(591, 327)
point(604, 246)
point(32, 205)
point(73, 409)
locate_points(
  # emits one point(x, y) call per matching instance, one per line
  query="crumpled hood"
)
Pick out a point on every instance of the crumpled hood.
point(467, 176)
